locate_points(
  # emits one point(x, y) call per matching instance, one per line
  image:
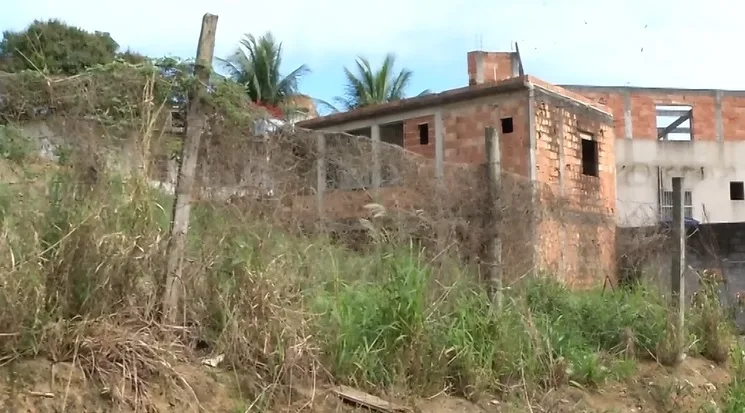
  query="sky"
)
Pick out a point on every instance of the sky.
point(660, 43)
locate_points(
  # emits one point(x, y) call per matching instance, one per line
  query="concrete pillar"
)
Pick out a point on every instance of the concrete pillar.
point(376, 172)
point(562, 257)
point(479, 68)
point(718, 115)
point(627, 118)
point(441, 228)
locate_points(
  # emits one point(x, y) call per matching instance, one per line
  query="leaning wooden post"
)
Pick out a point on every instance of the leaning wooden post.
point(195, 124)
point(494, 242)
point(678, 260)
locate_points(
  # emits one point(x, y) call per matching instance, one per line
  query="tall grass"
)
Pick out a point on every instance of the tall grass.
point(280, 306)
point(404, 328)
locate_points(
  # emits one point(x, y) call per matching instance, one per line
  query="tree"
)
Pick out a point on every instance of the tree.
point(256, 65)
point(368, 87)
point(56, 48)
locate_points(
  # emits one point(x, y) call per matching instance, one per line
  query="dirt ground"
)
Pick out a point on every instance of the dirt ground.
point(38, 386)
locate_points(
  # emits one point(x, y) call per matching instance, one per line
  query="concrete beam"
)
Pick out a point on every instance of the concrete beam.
point(652, 90)
point(382, 120)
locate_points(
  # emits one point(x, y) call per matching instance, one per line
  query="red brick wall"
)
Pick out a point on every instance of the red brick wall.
point(464, 131)
point(562, 91)
point(615, 103)
point(643, 116)
point(733, 117)
point(575, 238)
point(496, 66)
point(576, 229)
point(411, 136)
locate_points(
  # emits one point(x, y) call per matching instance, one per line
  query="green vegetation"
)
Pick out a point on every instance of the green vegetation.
point(257, 66)
point(56, 48)
point(53, 47)
point(372, 87)
point(276, 304)
point(734, 396)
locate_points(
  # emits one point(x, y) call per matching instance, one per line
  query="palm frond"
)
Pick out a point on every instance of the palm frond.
point(320, 103)
point(257, 65)
point(371, 87)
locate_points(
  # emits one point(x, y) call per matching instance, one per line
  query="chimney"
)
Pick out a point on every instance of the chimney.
point(484, 67)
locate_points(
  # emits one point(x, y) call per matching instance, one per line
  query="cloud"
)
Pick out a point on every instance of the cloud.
point(683, 43)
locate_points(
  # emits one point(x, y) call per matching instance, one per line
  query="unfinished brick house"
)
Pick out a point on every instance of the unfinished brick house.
point(557, 139)
point(666, 132)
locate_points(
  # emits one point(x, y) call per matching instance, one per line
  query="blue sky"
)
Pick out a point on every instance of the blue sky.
point(680, 43)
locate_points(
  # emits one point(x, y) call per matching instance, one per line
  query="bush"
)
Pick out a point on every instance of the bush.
point(57, 48)
point(709, 321)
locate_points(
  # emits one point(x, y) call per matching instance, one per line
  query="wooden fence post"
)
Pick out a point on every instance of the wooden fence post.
point(677, 275)
point(195, 124)
point(494, 246)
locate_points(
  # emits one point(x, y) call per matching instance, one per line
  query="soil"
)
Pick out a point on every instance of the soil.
point(36, 386)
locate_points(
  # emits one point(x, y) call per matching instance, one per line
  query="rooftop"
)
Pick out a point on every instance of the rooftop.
point(450, 96)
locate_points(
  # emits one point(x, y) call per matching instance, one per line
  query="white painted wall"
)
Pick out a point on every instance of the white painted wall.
point(707, 167)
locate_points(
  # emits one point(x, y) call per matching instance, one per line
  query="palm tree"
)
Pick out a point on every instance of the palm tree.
point(368, 87)
point(256, 65)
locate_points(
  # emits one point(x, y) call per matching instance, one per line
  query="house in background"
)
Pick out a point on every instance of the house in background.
point(661, 133)
point(694, 133)
point(551, 136)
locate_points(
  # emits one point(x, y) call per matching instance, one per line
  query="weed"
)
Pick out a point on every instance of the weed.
point(734, 397)
point(13, 145)
point(709, 321)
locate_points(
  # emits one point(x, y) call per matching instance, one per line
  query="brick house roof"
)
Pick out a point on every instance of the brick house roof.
point(449, 96)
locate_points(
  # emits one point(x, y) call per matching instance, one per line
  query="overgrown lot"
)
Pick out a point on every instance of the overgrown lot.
point(83, 262)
